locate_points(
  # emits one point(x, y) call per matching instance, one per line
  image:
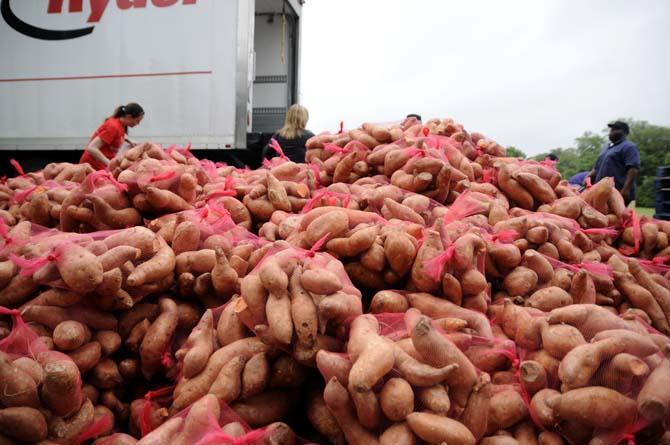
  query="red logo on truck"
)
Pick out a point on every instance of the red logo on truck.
point(98, 8)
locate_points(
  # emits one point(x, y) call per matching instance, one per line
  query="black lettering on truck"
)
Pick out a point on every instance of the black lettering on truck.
point(98, 8)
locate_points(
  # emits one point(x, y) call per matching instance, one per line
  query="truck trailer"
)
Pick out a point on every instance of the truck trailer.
point(217, 75)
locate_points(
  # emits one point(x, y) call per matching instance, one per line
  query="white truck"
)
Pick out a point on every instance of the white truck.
point(211, 73)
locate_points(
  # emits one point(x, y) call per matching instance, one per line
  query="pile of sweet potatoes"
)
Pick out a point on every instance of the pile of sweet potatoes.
point(408, 285)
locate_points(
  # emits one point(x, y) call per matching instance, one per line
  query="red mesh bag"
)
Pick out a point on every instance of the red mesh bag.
point(208, 422)
point(316, 281)
point(327, 198)
point(60, 390)
point(279, 158)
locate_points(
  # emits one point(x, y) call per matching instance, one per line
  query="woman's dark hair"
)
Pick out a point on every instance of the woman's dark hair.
point(133, 109)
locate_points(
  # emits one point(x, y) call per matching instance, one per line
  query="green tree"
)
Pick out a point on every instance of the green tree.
point(588, 148)
point(513, 152)
point(653, 141)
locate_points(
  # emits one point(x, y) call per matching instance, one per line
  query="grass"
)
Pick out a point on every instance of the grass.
point(645, 211)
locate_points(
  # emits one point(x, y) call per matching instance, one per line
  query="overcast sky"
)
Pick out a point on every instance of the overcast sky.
point(533, 74)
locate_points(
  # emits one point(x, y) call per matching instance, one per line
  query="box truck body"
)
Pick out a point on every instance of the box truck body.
point(204, 70)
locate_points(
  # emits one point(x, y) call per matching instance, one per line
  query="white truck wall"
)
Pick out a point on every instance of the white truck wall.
point(180, 62)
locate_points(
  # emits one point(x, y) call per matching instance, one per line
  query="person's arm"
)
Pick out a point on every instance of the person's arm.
point(93, 148)
point(631, 157)
point(130, 142)
point(631, 174)
point(591, 174)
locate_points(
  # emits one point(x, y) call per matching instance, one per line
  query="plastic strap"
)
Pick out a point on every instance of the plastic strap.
point(488, 175)
point(145, 418)
point(335, 149)
point(219, 437)
point(209, 167)
point(504, 236)
point(318, 245)
point(462, 208)
point(633, 221)
point(7, 311)
point(656, 264)
point(594, 268)
point(23, 194)
point(103, 423)
point(607, 231)
point(330, 198)
point(29, 267)
point(164, 175)
point(4, 231)
point(277, 148)
point(17, 167)
point(435, 266)
point(415, 152)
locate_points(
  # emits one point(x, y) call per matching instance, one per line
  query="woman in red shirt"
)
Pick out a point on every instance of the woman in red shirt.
point(108, 138)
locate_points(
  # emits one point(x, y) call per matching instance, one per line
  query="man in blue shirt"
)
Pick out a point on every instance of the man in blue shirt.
point(619, 159)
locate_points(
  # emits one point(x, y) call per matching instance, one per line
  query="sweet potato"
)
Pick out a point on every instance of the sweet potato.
point(87, 356)
point(106, 375)
point(588, 318)
point(198, 347)
point(114, 218)
point(387, 302)
point(438, 308)
point(228, 384)
point(660, 293)
point(264, 408)
point(166, 201)
point(396, 399)
point(135, 315)
point(255, 375)
point(431, 247)
point(520, 281)
point(158, 337)
point(19, 289)
point(196, 262)
point(23, 423)
point(653, 401)
point(61, 390)
point(549, 298)
point(303, 309)
point(18, 387)
point(439, 351)
point(435, 399)
point(359, 241)
point(643, 299)
point(594, 406)
point(418, 373)
point(186, 237)
point(154, 269)
point(187, 391)
point(110, 341)
point(70, 335)
point(339, 404)
point(513, 189)
point(542, 412)
point(436, 429)
point(373, 355)
point(559, 339)
point(533, 376)
point(506, 408)
point(333, 225)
